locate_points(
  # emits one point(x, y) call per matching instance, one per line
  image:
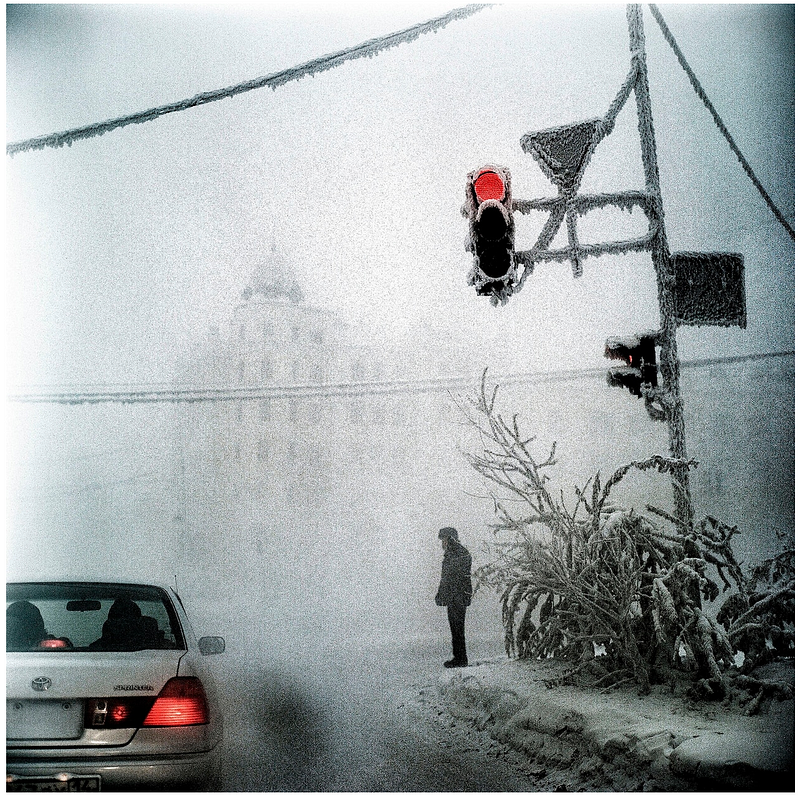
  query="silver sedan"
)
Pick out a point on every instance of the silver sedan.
point(107, 687)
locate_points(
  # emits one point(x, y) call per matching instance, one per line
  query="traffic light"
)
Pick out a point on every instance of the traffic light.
point(639, 354)
point(491, 231)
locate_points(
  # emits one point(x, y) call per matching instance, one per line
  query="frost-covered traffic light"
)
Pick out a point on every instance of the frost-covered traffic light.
point(638, 352)
point(491, 231)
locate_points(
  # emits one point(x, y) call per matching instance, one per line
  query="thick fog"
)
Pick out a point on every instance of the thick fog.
point(125, 247)
point(333, 539)
point(304, 524)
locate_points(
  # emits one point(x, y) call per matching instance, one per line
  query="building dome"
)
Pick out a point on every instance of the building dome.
point(274, 279)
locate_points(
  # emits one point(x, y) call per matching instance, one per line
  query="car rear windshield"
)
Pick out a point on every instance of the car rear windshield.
point(73, 616)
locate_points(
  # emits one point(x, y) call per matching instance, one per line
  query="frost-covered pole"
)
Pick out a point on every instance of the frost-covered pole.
point(665, 276)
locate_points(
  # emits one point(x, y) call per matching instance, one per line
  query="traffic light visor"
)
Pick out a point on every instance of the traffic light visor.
point(489, 186)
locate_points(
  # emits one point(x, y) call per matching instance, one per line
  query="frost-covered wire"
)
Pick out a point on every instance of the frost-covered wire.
point(717, 119)
point(368, 49)
point(344, 390)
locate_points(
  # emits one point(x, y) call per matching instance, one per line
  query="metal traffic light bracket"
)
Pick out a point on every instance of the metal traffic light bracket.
point(658, 403)
point(563, 154)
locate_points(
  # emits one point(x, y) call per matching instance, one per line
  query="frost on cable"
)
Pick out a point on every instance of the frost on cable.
point(365, 49)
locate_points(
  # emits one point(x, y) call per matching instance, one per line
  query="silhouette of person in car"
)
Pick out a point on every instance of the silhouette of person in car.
point(126, 629)
point(24, 626)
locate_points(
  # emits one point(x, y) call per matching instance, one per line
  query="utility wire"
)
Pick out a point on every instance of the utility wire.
point(72, 490)
point(349, 390)
point(717, 119)
point(368, 48)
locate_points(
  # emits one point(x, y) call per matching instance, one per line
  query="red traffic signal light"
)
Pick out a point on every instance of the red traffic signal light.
point(638, 352)
point(491, 231)
point(489, 186)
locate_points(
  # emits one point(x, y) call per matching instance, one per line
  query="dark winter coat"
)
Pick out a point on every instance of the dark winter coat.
point(455, 588)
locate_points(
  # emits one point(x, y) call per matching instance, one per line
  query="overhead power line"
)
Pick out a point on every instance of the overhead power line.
point(365, 49)
point(342, 390)
point(717, 119)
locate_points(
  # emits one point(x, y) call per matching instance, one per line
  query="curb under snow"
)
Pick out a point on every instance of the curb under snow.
point(619, 741)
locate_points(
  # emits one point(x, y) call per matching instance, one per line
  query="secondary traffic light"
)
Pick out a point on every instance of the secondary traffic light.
point(638, 352)
point(491, 231)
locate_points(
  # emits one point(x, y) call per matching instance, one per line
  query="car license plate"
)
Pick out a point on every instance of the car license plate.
point(66, 783)
point(44, 720)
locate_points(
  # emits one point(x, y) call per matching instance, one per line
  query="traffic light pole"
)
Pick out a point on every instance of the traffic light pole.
point(563, 153)
point(665, 275)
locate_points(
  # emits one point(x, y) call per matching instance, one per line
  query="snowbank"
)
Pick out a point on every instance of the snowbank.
point(587, 740)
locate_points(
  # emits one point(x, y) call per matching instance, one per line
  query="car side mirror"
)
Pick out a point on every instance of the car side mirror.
point(211, 645)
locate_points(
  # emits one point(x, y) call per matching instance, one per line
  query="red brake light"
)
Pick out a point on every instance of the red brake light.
point(489, 186)
point(119, 713)
point(54, 642)
point(182, 702)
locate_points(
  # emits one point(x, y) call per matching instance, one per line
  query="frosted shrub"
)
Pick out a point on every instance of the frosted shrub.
point(617, 593)
point(760, 616)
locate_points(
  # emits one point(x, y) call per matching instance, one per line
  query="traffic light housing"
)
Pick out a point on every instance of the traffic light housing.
point(491, 231)
point(638, 352)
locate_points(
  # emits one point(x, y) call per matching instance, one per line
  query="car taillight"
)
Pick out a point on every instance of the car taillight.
point(182, 702)
point(117, 713)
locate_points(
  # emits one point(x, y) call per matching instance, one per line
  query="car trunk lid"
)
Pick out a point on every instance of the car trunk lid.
point(89, 675)
point(46, 692)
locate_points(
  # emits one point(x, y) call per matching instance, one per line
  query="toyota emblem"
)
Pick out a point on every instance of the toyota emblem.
point(41, 684)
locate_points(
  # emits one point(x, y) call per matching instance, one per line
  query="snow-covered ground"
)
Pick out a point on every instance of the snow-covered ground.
point(387, 716)
point(348, 717)
point(577, 740)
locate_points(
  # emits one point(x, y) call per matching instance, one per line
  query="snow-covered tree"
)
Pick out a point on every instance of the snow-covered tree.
point(618, 593)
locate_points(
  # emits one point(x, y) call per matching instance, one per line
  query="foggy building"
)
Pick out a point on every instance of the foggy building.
point(327, 432)
point(326, 478)
point(334, 430)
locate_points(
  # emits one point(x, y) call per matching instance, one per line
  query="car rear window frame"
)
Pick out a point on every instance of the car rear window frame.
point(85, 590)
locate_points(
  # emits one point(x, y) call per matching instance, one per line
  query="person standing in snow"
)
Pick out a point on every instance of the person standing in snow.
point(455, 592)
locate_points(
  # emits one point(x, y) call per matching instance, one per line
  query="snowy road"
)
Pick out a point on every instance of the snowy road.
point(347, 722)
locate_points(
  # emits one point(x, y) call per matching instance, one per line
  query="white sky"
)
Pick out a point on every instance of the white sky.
point(122, 249)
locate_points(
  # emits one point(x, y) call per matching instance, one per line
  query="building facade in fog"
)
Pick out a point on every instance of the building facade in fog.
point(326, 479)
point(305, 437)
point(305, 443)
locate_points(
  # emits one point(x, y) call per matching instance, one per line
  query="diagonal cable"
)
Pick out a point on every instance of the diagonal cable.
point(717, 119)
point(365, 49)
